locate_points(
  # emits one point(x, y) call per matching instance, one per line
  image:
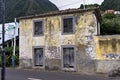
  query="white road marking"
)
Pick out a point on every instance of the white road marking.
point(34, 79)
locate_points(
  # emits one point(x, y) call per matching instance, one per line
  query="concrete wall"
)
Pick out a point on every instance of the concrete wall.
point(106, 66)
point(107, 53)
point(53, 39)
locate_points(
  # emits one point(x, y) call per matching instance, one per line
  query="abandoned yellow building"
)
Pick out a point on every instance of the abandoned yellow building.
point(59, 40)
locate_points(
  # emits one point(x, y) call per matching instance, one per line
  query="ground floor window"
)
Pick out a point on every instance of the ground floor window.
point(38, 56)
point(68, 57)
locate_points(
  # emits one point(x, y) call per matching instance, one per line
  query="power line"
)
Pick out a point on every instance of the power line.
point(84, 3)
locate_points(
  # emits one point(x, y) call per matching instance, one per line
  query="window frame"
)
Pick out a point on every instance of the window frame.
point(34, 35)
point(33, 47)
point(68, 46)
point(73, 21)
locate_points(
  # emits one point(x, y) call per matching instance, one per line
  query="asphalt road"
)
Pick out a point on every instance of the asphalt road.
point(18, 74)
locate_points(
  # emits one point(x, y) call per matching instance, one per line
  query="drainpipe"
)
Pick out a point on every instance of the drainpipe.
point(98, 28)
point(14, 45)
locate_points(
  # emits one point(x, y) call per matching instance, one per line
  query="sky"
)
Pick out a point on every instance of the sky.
point(66, 4)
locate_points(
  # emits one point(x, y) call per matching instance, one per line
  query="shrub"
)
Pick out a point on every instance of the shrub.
point(8, 57)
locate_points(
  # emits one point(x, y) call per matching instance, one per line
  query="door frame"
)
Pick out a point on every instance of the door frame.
point(67, 46)
point(33, 65)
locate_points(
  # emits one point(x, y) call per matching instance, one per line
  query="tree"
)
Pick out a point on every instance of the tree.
point(110, 24)
point(89, 6)
point(9, 53)
point(110, 4)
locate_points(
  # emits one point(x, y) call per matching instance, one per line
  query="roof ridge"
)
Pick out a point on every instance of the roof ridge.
point(52, 13)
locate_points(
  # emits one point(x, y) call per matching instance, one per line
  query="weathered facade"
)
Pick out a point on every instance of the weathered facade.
point(107, 53)
point(64, 40)
point(107, 47)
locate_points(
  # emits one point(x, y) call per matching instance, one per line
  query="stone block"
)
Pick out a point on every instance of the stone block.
point(105, 66)
point(52, 64)
point(25, 63)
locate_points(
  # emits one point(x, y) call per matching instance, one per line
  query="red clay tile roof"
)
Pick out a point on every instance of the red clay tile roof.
point(62, 12)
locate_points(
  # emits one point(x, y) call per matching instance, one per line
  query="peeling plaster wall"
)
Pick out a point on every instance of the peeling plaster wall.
point(107, 53)
point(25, 43)
point(86, 29)
point(53, 39)
point(107, 47)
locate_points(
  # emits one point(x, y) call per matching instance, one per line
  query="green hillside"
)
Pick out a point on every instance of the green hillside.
point(110, 4)
point(17, 8)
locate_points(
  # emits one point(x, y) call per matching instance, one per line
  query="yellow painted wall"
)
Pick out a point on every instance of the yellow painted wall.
point(85, 29)
point(107, 47)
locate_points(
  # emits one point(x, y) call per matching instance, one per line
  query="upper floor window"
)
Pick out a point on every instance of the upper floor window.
point(68, 25)
point(38, 28)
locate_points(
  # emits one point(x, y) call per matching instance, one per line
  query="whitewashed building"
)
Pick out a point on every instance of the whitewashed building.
point(11, 29)
point(117, 12)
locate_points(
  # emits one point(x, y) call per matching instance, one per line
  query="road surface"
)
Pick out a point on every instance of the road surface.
point(19, 74)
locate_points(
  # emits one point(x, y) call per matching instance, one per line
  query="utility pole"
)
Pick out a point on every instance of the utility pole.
point(13, 57)
point(3, 39)
point(84, 3)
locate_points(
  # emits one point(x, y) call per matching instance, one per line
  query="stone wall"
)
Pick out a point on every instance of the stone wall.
point(106, 66)
point(53, 64)
point(85, 64)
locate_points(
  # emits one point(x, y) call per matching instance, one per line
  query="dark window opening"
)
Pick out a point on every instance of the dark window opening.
point(18, 31)
point(10, 43)
point(68, 25)
point(38, 28)
point(17, 42)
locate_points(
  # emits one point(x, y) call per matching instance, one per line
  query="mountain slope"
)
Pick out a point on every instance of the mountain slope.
point(17, 8)
point(110, 4)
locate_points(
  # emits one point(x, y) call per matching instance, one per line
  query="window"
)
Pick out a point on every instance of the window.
point(68, 57)
point(68, 25)
point(38, 28)
point(38, 57)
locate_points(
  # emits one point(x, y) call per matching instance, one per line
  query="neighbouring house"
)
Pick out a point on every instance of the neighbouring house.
point(10, 42)
point(60, 40)
point(117, 12)
point(110, 11)
point(11, 29)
